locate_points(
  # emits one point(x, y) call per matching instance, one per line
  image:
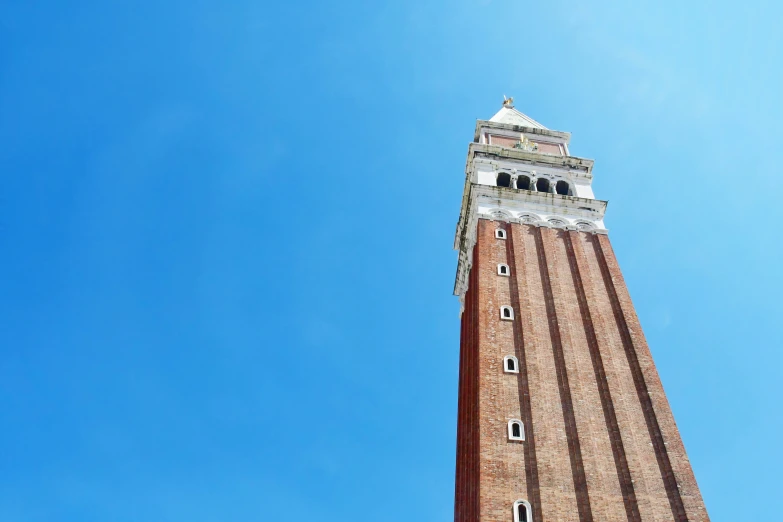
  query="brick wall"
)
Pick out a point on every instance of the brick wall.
point(601, 443)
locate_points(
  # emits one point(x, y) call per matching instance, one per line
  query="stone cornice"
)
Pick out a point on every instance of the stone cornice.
point(514, 165)
point(566, 136)
point(554, 204)
point(531, 158)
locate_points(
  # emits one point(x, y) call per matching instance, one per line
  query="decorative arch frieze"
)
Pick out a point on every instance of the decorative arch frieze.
point(528, 218)
point(500, 215)
point(585, 226)
point(557, 223)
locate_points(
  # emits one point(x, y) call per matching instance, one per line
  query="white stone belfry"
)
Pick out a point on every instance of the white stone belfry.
point(520, 171)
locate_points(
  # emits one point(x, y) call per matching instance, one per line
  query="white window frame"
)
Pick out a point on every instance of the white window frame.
point(505, 364)
point(527, 506)
point(500, 233)
point(508, 270)
point(521, 430)
point(504, 318)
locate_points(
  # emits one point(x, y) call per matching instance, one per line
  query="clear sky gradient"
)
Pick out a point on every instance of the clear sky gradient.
point(227, 229)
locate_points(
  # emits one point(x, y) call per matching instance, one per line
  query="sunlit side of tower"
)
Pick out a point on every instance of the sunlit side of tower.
point(562, 415)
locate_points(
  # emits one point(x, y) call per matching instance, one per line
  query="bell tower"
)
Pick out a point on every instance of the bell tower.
point(562, 416)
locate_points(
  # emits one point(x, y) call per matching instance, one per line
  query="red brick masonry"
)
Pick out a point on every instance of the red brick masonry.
point(601, 442)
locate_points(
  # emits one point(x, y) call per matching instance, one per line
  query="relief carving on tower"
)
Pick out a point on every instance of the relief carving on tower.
point(525, 144)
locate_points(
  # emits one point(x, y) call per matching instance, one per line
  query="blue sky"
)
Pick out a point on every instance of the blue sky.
point(227, 231)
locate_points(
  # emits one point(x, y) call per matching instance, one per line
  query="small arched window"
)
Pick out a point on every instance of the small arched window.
point(523, 183)
point(542, 185)
point(516, 430)
point(563, 188)
point(506, 313)
point(510, 364)
point(503, 270)
point(522, 511)
point(500, 233)
point(504, 179)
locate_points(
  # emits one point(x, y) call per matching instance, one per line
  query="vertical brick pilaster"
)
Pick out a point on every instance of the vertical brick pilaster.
point(467, 471)
point(653, 426)
point(459, 472)
point(475, 443)
point(586, 300)
point(501, 461)
point(546, 253)
point(681, 488)
point(523, 382)
point(558, 501)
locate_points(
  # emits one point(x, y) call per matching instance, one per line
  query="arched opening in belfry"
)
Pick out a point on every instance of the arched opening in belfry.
point(542, 185)
point(504, 179)
point(506, 311)
point(516, 430)
point(563, 188)
point(523, 183)
point(511, 365)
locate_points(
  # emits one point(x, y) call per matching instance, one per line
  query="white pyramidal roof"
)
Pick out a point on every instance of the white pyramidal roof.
point(513, 117)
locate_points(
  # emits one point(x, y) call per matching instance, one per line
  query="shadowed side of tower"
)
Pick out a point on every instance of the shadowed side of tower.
point(562, 415)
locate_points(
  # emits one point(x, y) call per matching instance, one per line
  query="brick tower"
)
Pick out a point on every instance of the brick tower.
point(562, 416)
